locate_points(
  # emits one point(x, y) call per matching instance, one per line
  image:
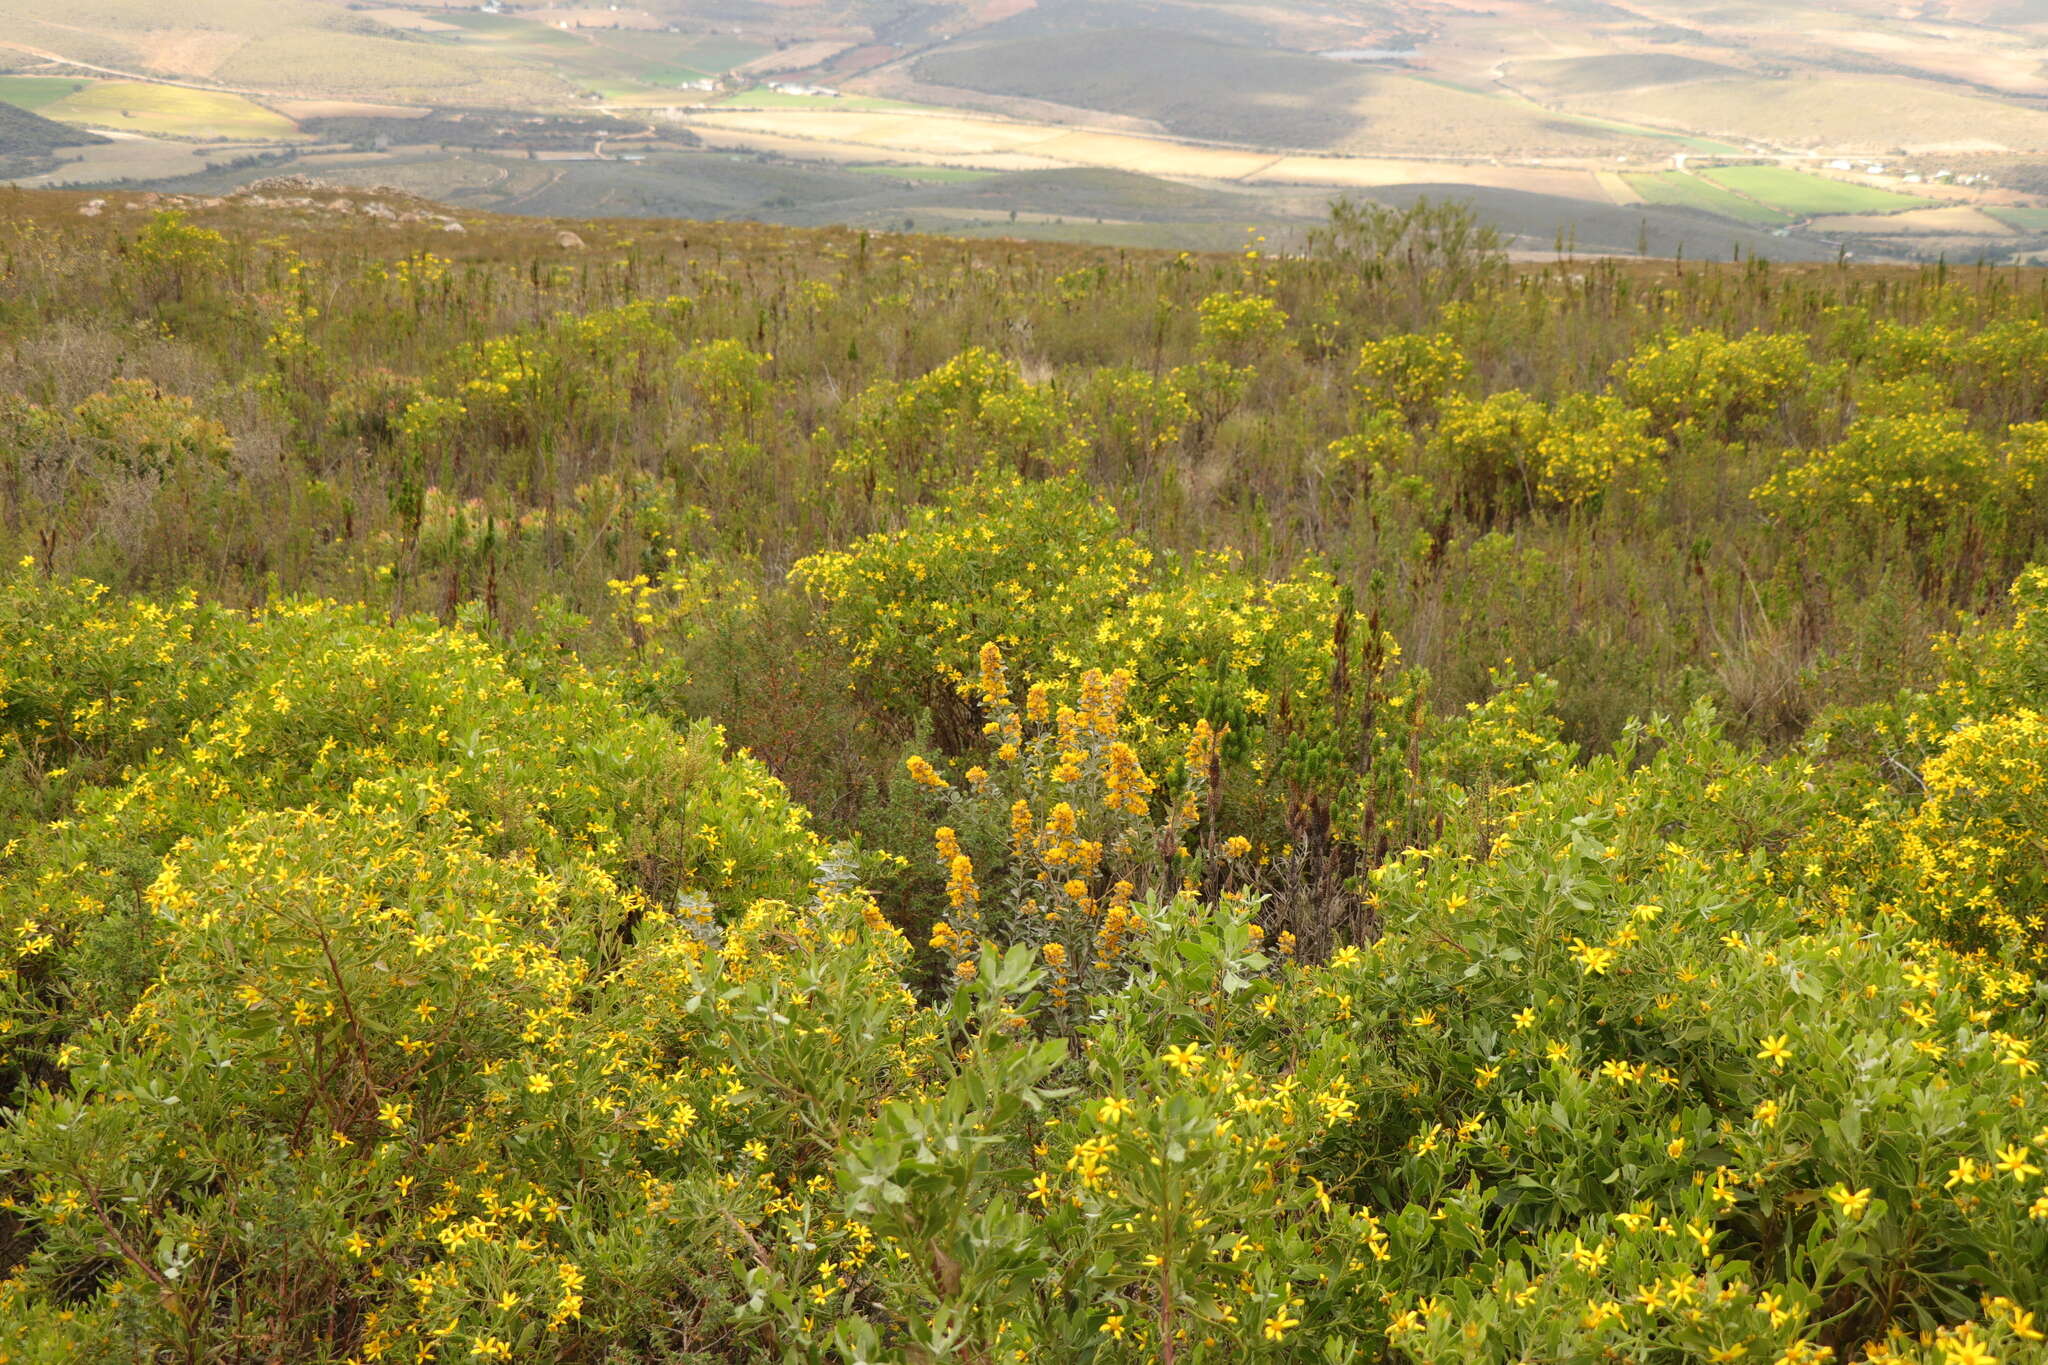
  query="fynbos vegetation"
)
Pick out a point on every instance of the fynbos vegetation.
point(734, 794)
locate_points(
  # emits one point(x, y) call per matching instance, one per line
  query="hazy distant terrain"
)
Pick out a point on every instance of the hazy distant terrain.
point(1791, 129)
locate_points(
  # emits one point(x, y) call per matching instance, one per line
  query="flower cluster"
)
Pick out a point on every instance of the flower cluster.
point(1717, 386)
point(1078, 836)
point(1412, 373)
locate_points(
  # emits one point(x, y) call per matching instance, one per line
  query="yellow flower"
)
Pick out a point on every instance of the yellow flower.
point(1852, 1203)
point(922, 773)
point(1964, 1349)
point(2012, 1161)
point(1278, 1326)
point(1184, 1060)
point(1776, 1050)
point(1593, 961)
point(1114, 1110)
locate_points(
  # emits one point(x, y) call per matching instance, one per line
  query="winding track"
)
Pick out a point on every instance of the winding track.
point(216, 89)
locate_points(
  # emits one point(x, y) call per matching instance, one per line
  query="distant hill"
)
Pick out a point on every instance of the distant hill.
point(1616, 71)
point(26, 134)
point(29, 142)
point(1192, 85)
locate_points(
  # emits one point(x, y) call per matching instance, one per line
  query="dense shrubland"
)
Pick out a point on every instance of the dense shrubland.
point(748, 795)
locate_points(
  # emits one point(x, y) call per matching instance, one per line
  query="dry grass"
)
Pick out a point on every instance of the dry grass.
point(410, 20)
point(1617, 188)
point(1958, 220)
point(1866, 114)
point(187, 52)
point(133, 158)
point(992, 144)
point(310, 109)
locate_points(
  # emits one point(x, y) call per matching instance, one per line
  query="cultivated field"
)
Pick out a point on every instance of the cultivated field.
point(170, 111)
point(1804, 195)
point(1685, 189)
point(126, 160)
point(1956, 221)
point(1582, 102)
point(38, 93)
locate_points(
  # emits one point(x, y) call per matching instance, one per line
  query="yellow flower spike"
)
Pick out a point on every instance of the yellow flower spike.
point(922, 773)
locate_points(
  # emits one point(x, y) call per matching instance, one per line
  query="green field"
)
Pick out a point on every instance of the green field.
point(170, 111)
point(1682, 189)
point(1804, 195)
point(2021, 219)
point(38, 93)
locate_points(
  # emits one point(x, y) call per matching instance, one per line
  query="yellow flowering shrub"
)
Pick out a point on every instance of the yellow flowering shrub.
point(1509, 452)
point(1894, 350)
point(132, 442)
point(1381, 441)
point(1214, 388)
point(369, 990)
point(577, 374)
point(409, 1054)
point(1974, 854)
point(725, 383)
point(1238, 326)
point(1134, 416)
point(1488, 448)
point(93, 683)
point(172, 254)
point(1959, 847)
point(975, 413)
point(1412, 373)
point(1913, 470)
point(138, 428)
point(304, 704)
point(2002, 370)
point(1027, 565)
point(1718, 386)
point(1594, 447)
point(1225, 987)
point(660, 612)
